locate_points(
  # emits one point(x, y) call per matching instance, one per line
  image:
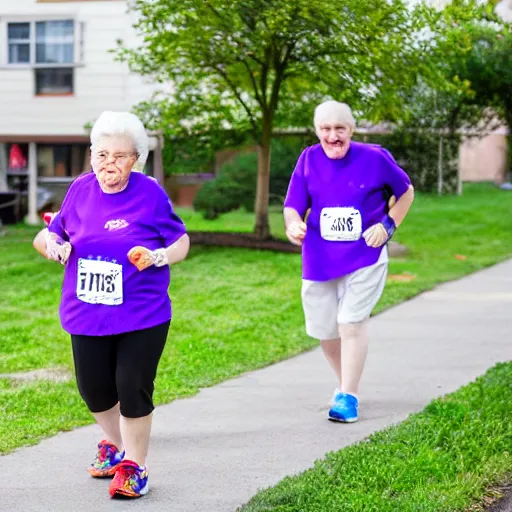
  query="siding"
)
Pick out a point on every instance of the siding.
point(99, 82)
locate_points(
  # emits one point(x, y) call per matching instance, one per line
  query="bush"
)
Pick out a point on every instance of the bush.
point(234, 188)
point(235, 185)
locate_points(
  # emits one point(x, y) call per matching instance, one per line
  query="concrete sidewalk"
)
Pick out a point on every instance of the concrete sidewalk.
point(212, 452)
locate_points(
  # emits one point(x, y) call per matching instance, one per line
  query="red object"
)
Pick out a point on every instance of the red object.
point(16, 158)
point(47, 217)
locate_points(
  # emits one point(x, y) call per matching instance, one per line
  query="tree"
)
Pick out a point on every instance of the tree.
point(472, 50)
point(249, 66)
point(488, 70)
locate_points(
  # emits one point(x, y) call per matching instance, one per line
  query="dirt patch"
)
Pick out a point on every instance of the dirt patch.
point(251, 241)
point(51, 374)
point(501, 500)
point(404, 278)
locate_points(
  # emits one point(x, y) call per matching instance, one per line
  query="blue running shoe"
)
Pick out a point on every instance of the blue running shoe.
point(344, 408)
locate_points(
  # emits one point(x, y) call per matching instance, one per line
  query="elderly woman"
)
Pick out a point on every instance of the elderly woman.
point(346, 186)
point(116, 233)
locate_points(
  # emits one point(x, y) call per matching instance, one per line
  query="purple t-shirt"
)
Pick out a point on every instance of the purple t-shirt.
point(103, 293)
point(346, 197)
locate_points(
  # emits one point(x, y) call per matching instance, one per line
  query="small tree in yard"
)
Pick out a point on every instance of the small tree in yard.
point(488, 70)
point(250, 66)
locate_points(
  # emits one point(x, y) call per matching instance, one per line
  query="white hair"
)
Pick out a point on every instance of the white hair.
point(333, 112)
point(122, 123)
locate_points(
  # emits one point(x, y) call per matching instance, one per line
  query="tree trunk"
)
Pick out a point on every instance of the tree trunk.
point(262, 228)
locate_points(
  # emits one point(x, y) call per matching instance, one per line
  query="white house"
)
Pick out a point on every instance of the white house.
point(56, 75)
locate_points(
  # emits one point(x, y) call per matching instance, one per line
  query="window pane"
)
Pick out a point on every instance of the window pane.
point(19, 53)
point(18, 31)
point(54, 160)
point(54, 53)
point(59, 29)
point(54, 42)
point(54, 81)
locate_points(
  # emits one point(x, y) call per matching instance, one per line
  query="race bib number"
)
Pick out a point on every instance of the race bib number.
point(340, 224)
point(99, 282)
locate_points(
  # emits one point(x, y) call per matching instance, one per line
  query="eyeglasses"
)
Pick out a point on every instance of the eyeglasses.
point(119, 158)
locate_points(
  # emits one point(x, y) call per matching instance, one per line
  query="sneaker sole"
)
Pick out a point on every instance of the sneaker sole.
point(123, 494)
point(105, 473)
point(341, 420)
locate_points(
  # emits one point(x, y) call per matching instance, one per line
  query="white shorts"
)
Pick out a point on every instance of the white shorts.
point(349, 299)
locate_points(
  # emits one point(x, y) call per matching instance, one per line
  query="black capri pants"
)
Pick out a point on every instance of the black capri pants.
point(119, 368)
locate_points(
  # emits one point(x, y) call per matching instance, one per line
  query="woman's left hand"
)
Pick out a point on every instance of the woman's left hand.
point(376, 235)
point(142, 257)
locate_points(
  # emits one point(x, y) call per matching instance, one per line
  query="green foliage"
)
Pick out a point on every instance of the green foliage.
point(470, 76)
point(487, 70)
point(235, 184)
point(248, 65)
point(234, 188)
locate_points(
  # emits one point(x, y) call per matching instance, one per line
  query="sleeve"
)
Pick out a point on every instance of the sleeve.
point(394, 176)
point(169, 225)
point(58, 223)
point(297, 196)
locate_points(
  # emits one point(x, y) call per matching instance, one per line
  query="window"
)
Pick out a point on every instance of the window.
point(49, 47)
point(54, 42)
point(18, 39)
point(54, 80)
point(62, 160)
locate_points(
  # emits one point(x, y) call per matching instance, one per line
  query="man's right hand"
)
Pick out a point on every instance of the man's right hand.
point(296, 231)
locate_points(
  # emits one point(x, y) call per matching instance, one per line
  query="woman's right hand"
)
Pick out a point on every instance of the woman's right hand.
point(57, 249)
point(296, 231)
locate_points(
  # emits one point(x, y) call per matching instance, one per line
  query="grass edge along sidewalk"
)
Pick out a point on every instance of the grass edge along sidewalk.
point(449, 457)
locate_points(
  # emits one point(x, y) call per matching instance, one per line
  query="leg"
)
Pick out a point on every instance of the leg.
point(135, 433)
point(320, 304)
point(363, 290)
point(354, 349)
point(332, 352)
point(94, 358)
point(138, 354)
point(109, 422)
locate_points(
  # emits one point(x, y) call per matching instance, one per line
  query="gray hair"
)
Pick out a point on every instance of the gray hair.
point(122, 123)
point(333, 112)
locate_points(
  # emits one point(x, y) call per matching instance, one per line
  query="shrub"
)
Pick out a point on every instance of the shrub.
point(235, 185)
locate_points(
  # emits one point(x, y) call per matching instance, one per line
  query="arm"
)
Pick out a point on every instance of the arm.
point(378, 234)
point(39, 242)
point(178, 251)
point(296, 203)
point(295, 226)
point(400, 209)
point(172, 232)
point(44, 238)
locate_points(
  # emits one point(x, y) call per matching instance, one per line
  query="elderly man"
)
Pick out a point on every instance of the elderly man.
point(345, 185)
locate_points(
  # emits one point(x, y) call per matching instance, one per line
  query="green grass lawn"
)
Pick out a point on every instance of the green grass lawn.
point(235, 310)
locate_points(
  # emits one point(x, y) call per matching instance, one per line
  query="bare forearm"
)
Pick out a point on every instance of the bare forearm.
point(39, 242)
point(178, 250)
point(402, 206)
point(291, 215)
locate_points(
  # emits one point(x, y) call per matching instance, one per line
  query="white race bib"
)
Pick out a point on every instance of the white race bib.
point(340, 224)
point(99, 282)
